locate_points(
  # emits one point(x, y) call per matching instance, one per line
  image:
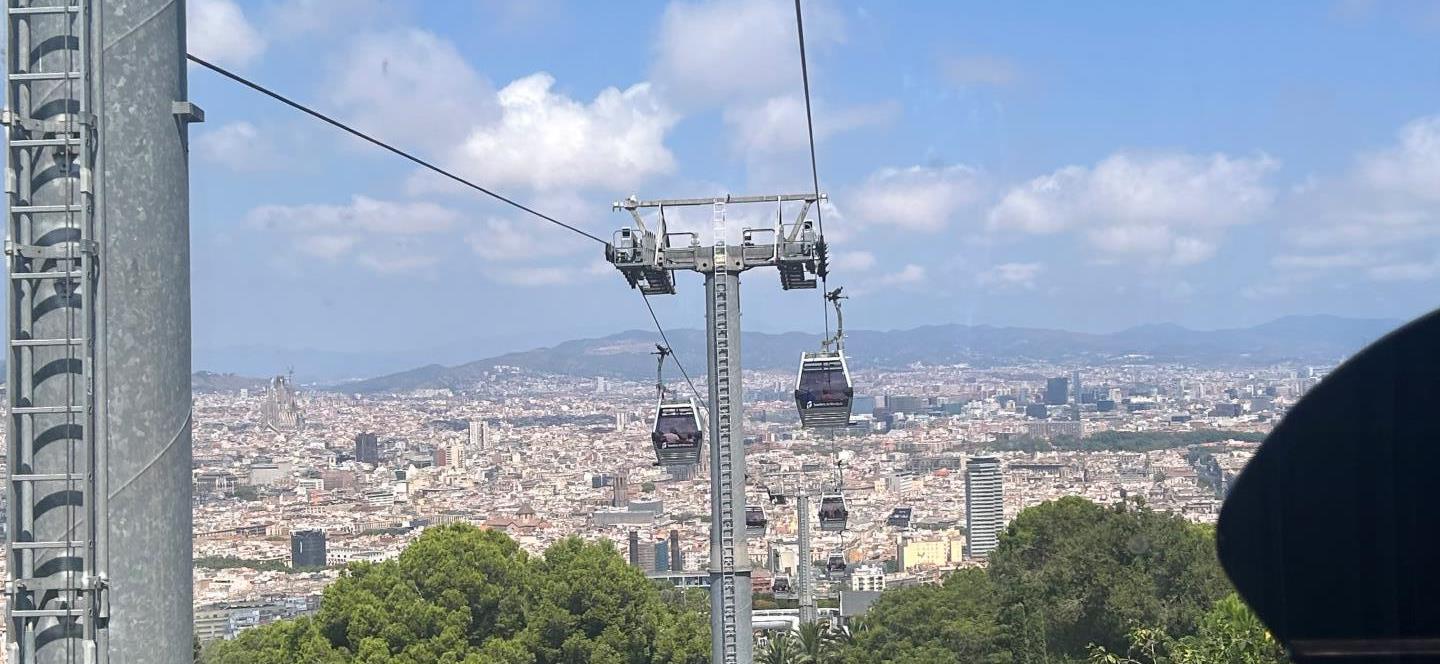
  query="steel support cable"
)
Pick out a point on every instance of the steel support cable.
point(674, 357)
point(814, 168)
point(425, 164)
point(382, 145)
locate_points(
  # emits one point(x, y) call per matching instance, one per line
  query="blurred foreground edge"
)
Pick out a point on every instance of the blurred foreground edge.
point(1332, 532)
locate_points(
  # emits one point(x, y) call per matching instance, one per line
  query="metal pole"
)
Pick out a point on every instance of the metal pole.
point(805, 571)
point(731, 640)
point(143, 411)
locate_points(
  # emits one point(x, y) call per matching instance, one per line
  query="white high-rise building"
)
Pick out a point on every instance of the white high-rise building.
point(867, 578)
point(984, 506)
point(479, 435)
point(620, 421)
point(455, 453)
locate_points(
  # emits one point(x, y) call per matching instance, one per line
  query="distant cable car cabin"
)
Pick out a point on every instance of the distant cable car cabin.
point(899, 517)
point(678, 434)
point(835, 564)
point(755, 521)
point(781, 585)
point(823, 391)
point(833, 514)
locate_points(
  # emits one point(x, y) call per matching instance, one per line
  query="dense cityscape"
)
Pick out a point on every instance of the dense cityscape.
point(291, 484)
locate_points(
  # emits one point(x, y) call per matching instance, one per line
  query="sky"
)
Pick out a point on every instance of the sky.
point(1085, 166)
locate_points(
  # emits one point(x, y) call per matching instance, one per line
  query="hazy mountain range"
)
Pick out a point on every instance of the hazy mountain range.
point(1300, 339)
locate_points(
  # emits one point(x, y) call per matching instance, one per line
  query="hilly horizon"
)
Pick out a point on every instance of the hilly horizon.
point(1315, 339)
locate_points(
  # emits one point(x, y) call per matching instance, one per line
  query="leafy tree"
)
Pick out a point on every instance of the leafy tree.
point(780, 649)
point(1070, 573)
point(816, 643)
point(459, 595)
point(955, 622)
point(1230, 632)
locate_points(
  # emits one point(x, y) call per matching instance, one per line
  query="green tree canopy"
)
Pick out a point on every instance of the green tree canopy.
point(1070, 573)
point(1067, 575)
point(1230, 632)
point(951, 623)
point(460, 595)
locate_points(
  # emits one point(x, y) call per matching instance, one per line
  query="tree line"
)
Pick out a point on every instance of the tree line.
point(1072, 582)
point(1123, 441)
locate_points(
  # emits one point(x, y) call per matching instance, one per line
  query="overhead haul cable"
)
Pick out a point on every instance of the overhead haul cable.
point(823, 268)
point(426, 164)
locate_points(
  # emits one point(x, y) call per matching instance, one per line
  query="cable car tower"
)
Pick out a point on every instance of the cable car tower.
point(796, 485)
point(648, 260)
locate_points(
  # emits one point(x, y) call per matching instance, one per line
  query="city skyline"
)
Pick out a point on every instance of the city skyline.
point(987, 165)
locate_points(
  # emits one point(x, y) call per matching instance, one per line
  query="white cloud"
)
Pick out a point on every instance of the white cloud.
point(1408, 271)
point(547, 141)
point(1380, 220)
point(362, 214)
point(714, 52)
point(918, 198)
point(217, 30)
point(393, 263)
point(238, 146)
point(976, 70)
point(1171, 208)
point(328, 247)
point(506, 240)
point(380, 236)
point(909, 275)
point(1412, 167)
point(852, 261)
point(534, 276)
point(777, 124)
point(1321, 261)
point(410, 86)
point(1022, 275)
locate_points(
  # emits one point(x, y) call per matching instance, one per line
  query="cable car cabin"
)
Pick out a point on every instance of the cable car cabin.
point(833, 514)
point(899, 517)
point(677, 436)
point(755, 521)
point(835, 565)
point(823, 392)
point(781, 584)
point(775, 498)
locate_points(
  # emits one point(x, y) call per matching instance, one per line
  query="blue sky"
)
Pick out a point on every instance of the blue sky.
point(1086, 166)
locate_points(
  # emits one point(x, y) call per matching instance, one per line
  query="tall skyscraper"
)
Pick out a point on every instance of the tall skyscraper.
point(457, 453)
point(1057, 391)
point(677, 559)
point(621, 497)
point(479, 435)
point(367, 448)
point(642, 551)
point(620, 421)
point(984, 506)
point(307, 548)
